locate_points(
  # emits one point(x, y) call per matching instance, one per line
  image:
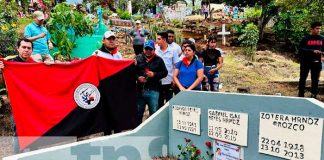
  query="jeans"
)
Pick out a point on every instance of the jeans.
point(166, 93)
point(15, 142)
point(149, 97)
point(305, 67)
point(211, 80)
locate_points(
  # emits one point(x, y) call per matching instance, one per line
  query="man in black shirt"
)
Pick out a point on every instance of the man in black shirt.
point(310, 49)
point(150, 70)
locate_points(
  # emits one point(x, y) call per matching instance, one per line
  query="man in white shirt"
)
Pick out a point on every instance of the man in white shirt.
point(109, 47)
point(170, 58)
point(171, 42)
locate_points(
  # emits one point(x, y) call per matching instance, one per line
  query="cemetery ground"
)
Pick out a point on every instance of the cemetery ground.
point(272, 72)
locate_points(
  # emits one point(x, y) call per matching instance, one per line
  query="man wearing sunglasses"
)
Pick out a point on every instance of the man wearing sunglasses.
point(109, 47)
point(150, 70)
point(38, 34)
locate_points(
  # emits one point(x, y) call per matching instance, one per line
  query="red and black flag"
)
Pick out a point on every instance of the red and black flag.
point(77, 99)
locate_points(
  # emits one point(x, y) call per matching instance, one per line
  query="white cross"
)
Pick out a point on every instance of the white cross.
point(223, 33)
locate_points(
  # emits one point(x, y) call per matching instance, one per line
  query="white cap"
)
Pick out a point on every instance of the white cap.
point(192, 40)
point(39, 15)
point(109, 34)
point(138, 21)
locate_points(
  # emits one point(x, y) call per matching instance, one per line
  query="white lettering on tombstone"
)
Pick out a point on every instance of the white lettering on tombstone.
point(228, 126)
point(290, 136)
point(186, 119)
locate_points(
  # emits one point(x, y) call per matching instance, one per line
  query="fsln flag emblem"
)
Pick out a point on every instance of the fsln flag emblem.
point(87, 96)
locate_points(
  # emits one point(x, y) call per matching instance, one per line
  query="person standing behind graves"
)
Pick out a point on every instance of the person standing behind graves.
point(213, 61)
point(189, 73)
point(150, 69)
point(138, 36)
point(171, 42)
point(40, 37)
point(205, 10)
point(170, 58)
point(310, 48)
point(184, 44)
point(109, 47)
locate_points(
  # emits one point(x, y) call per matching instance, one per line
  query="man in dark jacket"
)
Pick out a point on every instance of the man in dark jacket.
point(150, 70)
point(311, 47)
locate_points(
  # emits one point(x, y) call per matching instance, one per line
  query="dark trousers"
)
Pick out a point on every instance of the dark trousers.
point(138, 49)
point(166, 93)
point(206, 15)
point(315, 68)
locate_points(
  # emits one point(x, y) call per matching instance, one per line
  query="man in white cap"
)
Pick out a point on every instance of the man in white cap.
point(109, 47)
point(40, 37)
point(138, 36)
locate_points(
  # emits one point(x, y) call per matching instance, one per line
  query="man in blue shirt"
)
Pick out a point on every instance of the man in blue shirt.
point(40, 37)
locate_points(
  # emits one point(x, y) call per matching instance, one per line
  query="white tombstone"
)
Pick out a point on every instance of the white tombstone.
point(223, 33)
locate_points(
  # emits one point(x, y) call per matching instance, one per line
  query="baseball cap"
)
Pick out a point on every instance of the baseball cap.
point(192, 40)
point(39, 15)
point(138, 21)
point(150, 44)
point(109, 34)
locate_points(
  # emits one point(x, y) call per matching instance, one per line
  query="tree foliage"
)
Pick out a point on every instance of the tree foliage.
point(294, 20)
point(66, 25)
point(8, 27)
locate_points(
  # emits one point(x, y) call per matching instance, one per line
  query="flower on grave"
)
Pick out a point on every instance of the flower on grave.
point(208, 144)
point(13, 25)
point(198, 152)
point(209, 152)
point(189, 151)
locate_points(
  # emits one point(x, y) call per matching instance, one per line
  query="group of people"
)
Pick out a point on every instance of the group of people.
point(164, 68)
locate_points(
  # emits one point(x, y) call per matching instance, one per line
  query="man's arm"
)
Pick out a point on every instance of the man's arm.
point(28, 35)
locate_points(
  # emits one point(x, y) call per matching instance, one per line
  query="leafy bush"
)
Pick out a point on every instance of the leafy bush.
point(253, 13)
point(66, 25)
point(8, 27)
point(249, 40)
point(123, 14)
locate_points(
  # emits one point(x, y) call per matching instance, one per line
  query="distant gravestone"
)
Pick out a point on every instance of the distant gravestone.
point(178, 11)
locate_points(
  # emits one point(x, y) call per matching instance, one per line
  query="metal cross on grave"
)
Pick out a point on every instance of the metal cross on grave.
point(223, 33)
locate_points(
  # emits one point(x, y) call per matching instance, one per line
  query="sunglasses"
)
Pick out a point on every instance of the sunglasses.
point(111, 38)
point(148, 49)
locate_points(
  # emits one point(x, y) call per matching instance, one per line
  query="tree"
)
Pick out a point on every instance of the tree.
point(66, 25)
point(249, 40)
point(294, 20)
point(269, 10)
